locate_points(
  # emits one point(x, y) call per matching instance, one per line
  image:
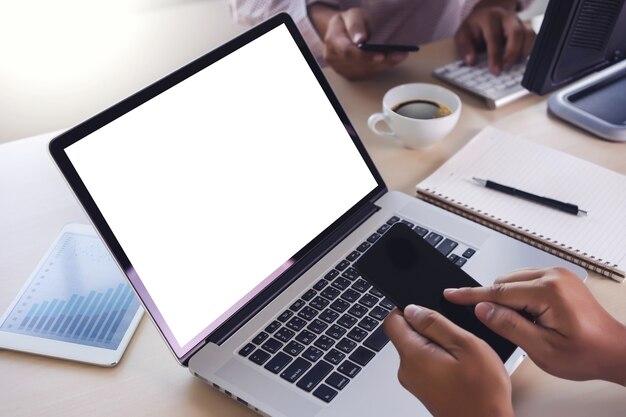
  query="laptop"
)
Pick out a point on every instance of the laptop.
point(235, 195)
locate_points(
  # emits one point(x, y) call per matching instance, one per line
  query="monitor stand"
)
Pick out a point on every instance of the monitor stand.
point(596, 103)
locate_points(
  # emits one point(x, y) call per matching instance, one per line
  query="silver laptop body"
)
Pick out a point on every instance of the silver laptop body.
point(228, 193)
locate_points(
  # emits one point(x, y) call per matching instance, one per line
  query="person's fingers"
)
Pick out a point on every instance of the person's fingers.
point(356, 24)
point(522, 296)
point(513, 30)
point(406, 340)
point(512, 326)
point(528, 274)
point(493, 37)
point(437, 328)
point(529, 40)
point(465, 44)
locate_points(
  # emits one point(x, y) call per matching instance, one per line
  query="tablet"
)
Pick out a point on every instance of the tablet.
point(76, 304)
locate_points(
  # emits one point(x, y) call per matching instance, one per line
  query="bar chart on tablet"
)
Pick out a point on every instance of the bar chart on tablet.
point(76, 295)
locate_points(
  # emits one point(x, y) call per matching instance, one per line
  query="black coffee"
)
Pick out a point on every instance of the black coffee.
point(422, 109)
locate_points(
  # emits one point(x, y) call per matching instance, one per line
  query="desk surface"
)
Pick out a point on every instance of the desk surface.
point(148, 380)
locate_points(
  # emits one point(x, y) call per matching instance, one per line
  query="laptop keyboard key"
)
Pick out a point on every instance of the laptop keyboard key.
point(307, 296)
point(368, 323)
point(272, 327)
point(340, 305)
point(433, 238)
point(357, 334)
point(319, 285)
point(308, 313)
point(393, 220)
point(361, 285)
point(317, 326)
point(296, 323)
point(245, 351)
point(336, 332)
point(324, 342)
point(294, 371)
point(362, 356)
point(325, 393)
point(259, 338)
point(447, 246)
point(469, 253)
point(349, 369)
point(306, 337)
point(312, 353)
point(341, 283)
point(350, 295)
point(330, 293)
point(377, 340)
point(259, 357)
point(368, 300)
point(315, 375)
point(286, 315)
point(293, 348)
point(358, 310)
point(460, 262)
point(319, 302)
point(297, 305)
point(420, 231)
point(363, 247)
point(347, 321)
point(336, 380)
point(342, 265)
point(329, 315)
point(353, 256)
point(272, 345)
point(278, 362)
point(351, 274)
point(331, 275)
point(379, 313)
point(373, 238)
point(345, 345)
point(334, 356)
point(382, 229)
point(284, 334)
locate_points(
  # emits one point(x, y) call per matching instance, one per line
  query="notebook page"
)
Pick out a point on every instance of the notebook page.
point(506, 159)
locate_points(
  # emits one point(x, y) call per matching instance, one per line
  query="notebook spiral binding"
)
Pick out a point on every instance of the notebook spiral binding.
point(524, 235)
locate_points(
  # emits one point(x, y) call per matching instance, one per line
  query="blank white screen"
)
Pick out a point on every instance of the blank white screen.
point(213, 184)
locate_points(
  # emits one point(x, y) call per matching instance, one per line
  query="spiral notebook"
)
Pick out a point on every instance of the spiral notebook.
point(596, 241)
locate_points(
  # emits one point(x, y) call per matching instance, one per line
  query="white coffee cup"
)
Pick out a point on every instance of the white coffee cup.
point(413, 132)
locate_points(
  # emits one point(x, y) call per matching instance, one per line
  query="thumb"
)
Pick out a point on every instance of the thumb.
point(355, 21)
point(511, 325)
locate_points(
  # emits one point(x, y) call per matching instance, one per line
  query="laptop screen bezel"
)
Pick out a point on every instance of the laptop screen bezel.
point(298, 261)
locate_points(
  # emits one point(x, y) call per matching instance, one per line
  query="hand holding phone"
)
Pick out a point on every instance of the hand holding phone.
point(408, 270)
point(385, 48)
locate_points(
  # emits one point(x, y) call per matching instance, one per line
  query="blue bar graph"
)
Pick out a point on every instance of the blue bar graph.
point(78, 295)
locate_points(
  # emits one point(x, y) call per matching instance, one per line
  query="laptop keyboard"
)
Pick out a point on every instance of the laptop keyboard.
point(334, 329)
point(478, 80)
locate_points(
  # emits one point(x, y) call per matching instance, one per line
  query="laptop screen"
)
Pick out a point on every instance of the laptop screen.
point(214, 184)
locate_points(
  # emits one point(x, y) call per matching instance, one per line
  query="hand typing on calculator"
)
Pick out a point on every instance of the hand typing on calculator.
point(456, 374)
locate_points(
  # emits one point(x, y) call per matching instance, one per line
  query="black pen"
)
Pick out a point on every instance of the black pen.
point(555, 204)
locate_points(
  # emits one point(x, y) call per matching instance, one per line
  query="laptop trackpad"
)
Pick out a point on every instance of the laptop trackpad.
point(249, 380)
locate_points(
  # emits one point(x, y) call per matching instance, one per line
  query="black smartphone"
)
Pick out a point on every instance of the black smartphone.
point(408, 270)
point(380, 47)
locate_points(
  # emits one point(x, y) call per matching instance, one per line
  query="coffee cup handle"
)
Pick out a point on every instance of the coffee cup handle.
point(373, 121)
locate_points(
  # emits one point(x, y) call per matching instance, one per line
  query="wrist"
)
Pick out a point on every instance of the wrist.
point(615, 361)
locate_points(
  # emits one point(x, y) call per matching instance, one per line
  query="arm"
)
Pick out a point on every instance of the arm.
point(573, 337)
point(453, 373)
point(493, 25)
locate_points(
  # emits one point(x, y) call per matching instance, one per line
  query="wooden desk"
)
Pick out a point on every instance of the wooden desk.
point(35, 204)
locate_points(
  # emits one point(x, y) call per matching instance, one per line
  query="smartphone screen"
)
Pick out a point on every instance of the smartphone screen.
point(408, 270)
point(379, 47)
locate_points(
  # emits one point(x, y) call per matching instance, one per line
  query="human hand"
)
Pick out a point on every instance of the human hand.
point(498, 30)
point(453, 373)
point(573, 337)
point(342, 31)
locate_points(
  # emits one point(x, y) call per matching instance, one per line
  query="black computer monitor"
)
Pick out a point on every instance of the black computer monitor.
point(577, 37)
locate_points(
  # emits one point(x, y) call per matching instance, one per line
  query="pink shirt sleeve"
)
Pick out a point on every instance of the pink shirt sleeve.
point(253, 12)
